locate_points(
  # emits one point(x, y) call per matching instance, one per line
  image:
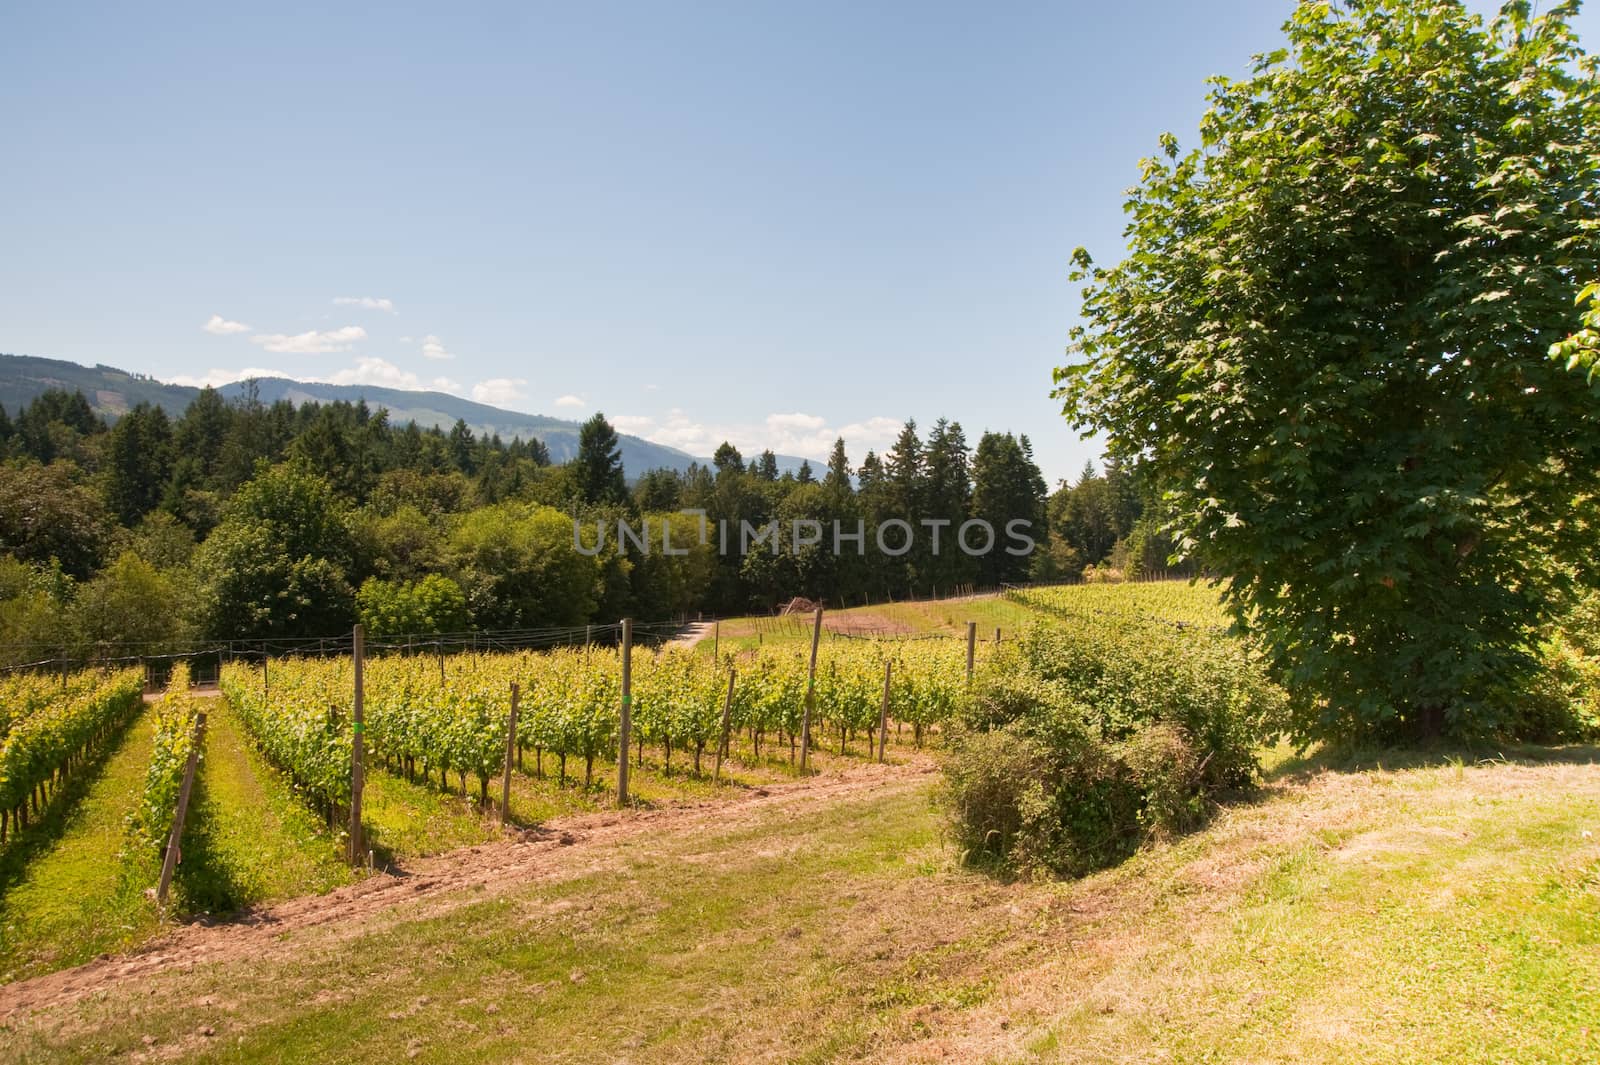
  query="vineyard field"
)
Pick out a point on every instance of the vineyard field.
point(271, 802)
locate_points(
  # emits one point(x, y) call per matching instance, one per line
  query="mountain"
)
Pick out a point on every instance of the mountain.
point(440, 409)
point(112, 392)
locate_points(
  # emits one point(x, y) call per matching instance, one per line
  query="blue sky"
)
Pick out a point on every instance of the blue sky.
point(772, 223)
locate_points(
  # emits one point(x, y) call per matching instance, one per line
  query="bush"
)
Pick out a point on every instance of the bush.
point(1082, 742)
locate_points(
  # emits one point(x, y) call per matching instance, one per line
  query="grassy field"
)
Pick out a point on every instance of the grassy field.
point(1177, 599)
point(249, 839)
point(946, 617)
point(67, 891)
point(1418, 913)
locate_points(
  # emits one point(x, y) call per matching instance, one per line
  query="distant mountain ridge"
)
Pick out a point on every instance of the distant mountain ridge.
point(113, 392)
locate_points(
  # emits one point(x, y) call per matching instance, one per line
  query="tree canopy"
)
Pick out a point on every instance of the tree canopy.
point(1328, 346)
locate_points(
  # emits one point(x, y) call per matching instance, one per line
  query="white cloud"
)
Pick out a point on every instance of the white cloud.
point(370, 303)
point(787, 423)
point(311, 343)
point(796, 433)
point(433, 348)
point(367, 371)
point(570, 401)
point(374, 371)
point(218, 378)
point(633, 424)
point(222, 327)
point(500, 391)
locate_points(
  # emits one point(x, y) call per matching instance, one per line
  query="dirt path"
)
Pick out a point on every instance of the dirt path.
point(563, 848)
point(692, 635)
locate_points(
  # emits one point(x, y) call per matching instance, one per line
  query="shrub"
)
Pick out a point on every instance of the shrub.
point(1082, 741)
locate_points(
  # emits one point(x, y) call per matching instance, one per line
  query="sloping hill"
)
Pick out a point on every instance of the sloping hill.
point(112, 392)
point(443, 410)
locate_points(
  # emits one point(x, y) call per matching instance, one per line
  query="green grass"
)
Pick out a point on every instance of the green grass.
point(946, 617)
point(248, 839)
point(67, 890)
point(1445, 912)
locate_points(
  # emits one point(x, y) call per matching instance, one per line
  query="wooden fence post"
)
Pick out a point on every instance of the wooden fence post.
point(627, 711)
point(727, 710)
point(883, 715)
point(716, 638)
point(266, 661)
point(811, 691)
point(972, 644)
point(169, 861)
point(358, 744)
point(511, 751)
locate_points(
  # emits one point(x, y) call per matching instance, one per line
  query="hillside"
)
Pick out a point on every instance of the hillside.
point(113, 392)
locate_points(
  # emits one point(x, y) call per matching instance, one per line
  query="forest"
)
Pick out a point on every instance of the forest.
point(245, 520)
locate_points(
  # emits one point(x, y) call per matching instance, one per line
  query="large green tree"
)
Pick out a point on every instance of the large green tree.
point(1328, 345)
point(599, 463)
point(278, 564)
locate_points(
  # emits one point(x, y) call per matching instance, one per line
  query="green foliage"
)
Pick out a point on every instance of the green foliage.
point(519, 568)
point(151, 821)
point(138, 462)
point(1329, 344)
point(434, 604)
point(1106, 728)
point(72, 723)
point(1564, 705)
point(1581, 351)
point(130, 601)
point(277, 563)
point(599, 463)
point(299, 725)
point(44, 515)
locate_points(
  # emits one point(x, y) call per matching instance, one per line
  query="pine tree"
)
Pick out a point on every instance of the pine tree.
point(138, 462)
point(838, 476)
point(727, 459)
point(598, 466)
point(1006, 486)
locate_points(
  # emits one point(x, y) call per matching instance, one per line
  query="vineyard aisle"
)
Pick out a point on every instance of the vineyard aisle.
point(249, 839)
point(73, 897)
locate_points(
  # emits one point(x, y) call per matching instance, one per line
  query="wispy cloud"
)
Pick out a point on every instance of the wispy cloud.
point(222, 327)
point(367, 370)
point(570, 401)
point(370, 303)
point(314, 342)
point(793, 433)
point(218, 378)
point(500, 391)
point(433, 348)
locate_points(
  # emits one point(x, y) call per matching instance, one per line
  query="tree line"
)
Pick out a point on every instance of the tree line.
point(243, 520)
